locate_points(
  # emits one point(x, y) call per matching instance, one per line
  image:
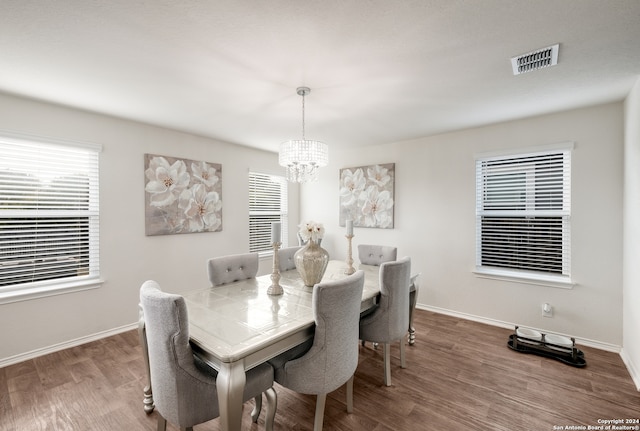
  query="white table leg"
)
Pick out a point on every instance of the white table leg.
point(148, 394)
point(412, 308)
point(413, 299)
point(230, 383)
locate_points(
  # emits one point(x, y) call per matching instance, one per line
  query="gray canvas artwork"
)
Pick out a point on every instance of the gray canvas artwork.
point(366, 195)
point(181, 195)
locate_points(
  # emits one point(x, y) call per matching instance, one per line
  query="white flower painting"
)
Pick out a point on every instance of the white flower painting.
point(182, 196)
point(366, 195)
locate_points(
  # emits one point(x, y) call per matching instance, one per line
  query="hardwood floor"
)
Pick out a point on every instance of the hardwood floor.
point(460, 375)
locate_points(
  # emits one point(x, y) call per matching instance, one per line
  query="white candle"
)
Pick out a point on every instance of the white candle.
point(350, 227)
point(275, 232)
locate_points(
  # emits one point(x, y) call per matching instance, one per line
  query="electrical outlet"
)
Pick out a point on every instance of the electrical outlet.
point(547, 310)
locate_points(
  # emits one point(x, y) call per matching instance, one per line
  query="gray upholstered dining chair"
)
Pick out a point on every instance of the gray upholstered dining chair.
point(285, 258)
point(389, 319)
point(184, 387)
point(233, 267)
point(330, 359)
point(376, 254)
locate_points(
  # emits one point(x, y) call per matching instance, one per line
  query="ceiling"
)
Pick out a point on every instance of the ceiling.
point(380, 71)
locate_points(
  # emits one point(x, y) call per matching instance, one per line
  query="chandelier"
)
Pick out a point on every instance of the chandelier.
point(303, 157)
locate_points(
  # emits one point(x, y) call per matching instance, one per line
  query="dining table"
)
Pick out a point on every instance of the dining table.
point(237, 326)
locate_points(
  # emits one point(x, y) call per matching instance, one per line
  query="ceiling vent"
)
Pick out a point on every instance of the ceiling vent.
point(535, 60)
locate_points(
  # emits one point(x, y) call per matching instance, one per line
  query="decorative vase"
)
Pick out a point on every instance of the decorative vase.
point(311, 262)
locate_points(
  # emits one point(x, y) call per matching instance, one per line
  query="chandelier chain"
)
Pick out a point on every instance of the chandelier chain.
point(303, 138)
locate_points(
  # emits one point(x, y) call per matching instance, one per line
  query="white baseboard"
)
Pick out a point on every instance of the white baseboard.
point(635, 376)
point(510, 325)
point(67, 344)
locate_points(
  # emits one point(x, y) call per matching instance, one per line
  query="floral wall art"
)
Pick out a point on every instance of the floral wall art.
point(182, 196)
point(366, 195)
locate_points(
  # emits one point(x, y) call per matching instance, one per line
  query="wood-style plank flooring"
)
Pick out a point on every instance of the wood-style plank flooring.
point(460, 376)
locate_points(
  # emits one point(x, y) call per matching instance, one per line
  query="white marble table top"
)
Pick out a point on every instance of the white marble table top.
point(240, 321)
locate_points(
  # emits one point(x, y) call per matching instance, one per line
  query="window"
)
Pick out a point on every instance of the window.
point(267, 204)
point(523, 215)
point(48, 217)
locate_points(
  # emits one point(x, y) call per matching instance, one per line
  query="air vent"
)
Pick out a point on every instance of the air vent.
point(535, 60)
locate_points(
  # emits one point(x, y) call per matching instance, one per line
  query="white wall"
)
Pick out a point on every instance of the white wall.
point(435, 221)
point(128, 257)
point(631, 279)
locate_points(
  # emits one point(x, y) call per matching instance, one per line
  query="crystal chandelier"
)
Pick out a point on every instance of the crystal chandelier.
point(303, 157)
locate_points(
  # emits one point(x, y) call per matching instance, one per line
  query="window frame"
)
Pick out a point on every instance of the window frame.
point(261, 232)
point(561, 210)
point(66, 284)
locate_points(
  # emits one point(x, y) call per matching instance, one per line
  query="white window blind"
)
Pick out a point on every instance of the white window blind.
point(49, 217)
point(523, 209)
point(268, 203)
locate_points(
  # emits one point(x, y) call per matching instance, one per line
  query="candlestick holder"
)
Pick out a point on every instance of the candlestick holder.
point(350, 269)
point(275, 288)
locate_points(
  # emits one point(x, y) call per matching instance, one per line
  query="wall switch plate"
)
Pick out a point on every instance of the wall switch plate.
point(547, 310)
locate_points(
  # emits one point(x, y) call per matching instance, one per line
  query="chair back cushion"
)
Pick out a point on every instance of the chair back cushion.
point(333, 357)
point(376, 254)
point(182, 393)
point(390, 320)
point(234, 267)
point(286, 261)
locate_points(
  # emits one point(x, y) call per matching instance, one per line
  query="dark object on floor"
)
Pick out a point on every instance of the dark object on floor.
point(561, 352)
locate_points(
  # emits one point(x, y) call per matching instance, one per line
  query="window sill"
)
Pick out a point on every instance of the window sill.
point(49, 289)
point(561, 282)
